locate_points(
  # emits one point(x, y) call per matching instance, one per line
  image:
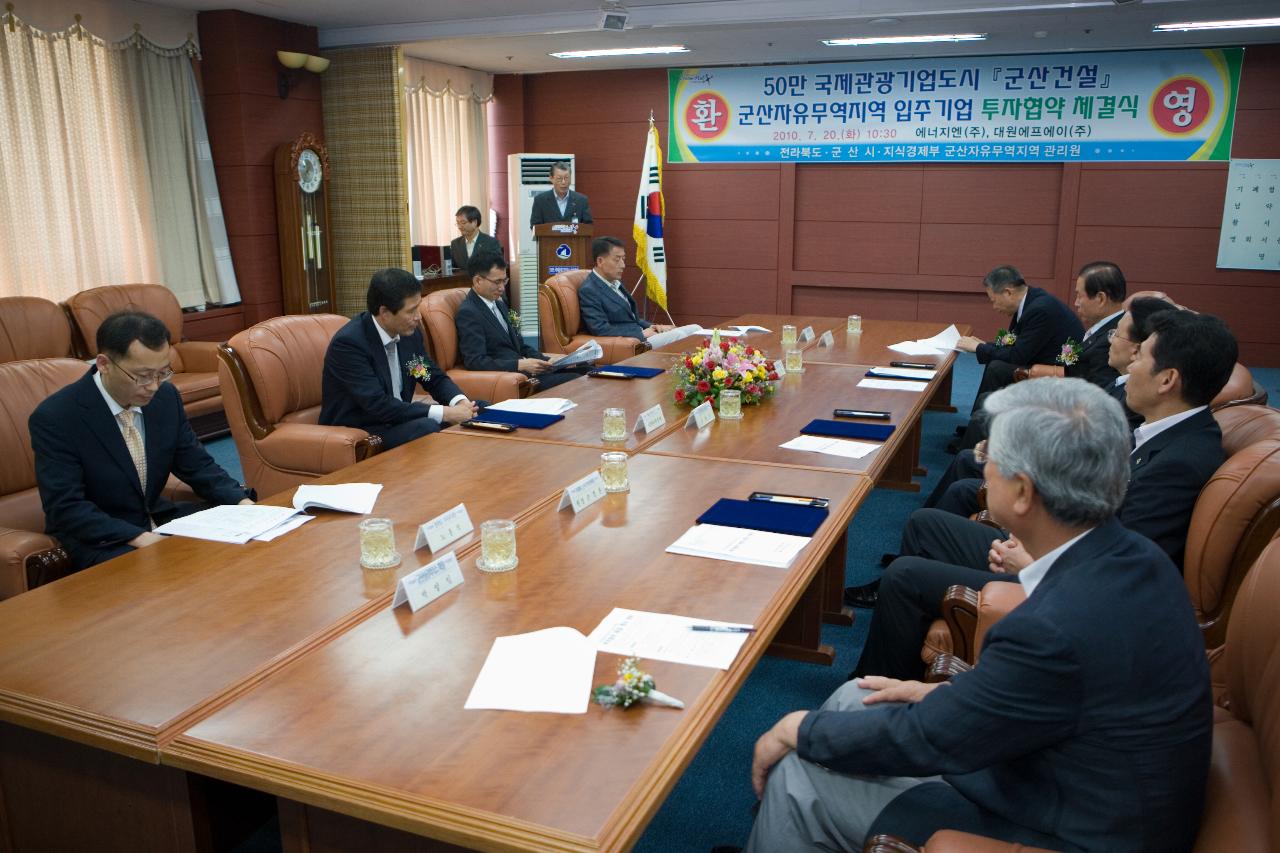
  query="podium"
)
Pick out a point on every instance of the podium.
point(561, 251)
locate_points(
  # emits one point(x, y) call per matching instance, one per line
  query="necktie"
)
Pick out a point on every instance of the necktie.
point(393, 365)
point(502, 321)
point(133, 440)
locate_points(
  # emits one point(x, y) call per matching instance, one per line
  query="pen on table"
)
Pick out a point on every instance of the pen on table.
point(789, 499)
point(723, 629)
point(916, 364)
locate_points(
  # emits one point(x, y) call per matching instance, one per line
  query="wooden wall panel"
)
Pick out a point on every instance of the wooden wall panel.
point(1008, 194)
point(878, 247)
point(975, 249)
point(720, 292)
point(841, 302)
point(740, 244)
point(710, 192)
point(970, 307)
point(858, 193)
point(1169, 255)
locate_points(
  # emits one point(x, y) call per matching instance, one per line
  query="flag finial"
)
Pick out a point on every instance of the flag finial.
point(650, 118)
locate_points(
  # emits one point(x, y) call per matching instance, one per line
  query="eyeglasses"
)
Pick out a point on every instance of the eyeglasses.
point(501, 282)
point(142, 381)
point(1113, 334)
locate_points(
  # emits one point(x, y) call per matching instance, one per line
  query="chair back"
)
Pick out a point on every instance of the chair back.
point(23, 386)
point(564, 289)
point(1245, 425)
point(31, 327)
point(89, 308)
point(439, 310)
point(1240, 390)
point(283, 358)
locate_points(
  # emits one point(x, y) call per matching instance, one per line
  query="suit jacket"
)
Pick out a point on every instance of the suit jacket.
point(1166, 475)
point(483, 343)
point(458, 249)
point(545, 208)
point(1043, 328)
point(1075, 724)
point(603, 313)
point(88, 484)
point(356, 389)
point(1093, 365)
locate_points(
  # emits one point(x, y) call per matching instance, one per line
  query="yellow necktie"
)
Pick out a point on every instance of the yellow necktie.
point(133, 440)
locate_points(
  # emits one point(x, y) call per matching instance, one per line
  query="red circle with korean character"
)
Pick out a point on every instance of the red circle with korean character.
point(1181, 105)
point(707, 115)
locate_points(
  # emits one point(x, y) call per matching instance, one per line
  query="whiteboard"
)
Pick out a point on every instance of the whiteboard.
point(1250, 238)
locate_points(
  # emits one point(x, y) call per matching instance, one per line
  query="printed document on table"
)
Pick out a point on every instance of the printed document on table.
point(893, 385)
point(910, 372)
point(233, 523)
point(283, 528)
point(345, 497)
point(536, 405)
point(831, 446)
point(939, 344)
point(548, 670)
point(738, 545)
point(662, 636)
point(590, 351)
point(661, 339)
point(913, 348)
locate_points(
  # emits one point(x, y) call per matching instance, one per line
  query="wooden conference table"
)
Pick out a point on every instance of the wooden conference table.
point(280, 666)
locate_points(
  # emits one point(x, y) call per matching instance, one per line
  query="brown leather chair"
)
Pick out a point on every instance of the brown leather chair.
point(195, 363)
point(27, 556)
point(31, 327)
point(1240, 390)
point(1242, 801)
point(561, 322)
point(438, 311)
point(271, 378)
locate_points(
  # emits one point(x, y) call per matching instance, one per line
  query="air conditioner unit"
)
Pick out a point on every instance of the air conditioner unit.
point(527, 175)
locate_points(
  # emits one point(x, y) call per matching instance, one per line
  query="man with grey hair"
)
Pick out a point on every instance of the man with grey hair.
point(1075, 731)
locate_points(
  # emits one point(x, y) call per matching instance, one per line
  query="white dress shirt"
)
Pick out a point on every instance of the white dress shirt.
point(1031, 576)
point(436, 412)
point(1146, 432)
point(116, 409)
point(1017, 318)
point(1098, 325)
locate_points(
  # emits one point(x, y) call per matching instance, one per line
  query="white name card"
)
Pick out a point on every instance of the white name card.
point(444, 528)
point(583, 493)
point(650, 420)
point(806, 334)
point(827, 339)
point(780, 367)
point(701, 416)
point(423, 586)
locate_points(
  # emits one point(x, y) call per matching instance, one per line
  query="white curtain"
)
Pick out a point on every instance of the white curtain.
point(99, 167)
point(447, 147)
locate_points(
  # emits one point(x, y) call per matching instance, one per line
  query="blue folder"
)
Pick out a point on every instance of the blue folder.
point(842, 429)
point(638, 372)
point(519, 419)
point(770, 516)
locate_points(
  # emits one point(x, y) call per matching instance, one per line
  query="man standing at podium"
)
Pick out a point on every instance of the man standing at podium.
point(559, 204)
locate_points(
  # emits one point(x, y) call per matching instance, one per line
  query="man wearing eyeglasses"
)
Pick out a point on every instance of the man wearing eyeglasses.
point(105, 446)
point(488, 338)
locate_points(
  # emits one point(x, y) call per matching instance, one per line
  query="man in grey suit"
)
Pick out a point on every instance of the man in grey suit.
point(559, 204)
point(605, 305)
point(473, 241)
point(1075, 731)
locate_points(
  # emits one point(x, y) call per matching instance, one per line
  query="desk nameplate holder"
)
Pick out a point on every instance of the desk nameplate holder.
point(583, 493)
point(423, 586)
point(701, 416)
point(445, 528)
point(650, 419)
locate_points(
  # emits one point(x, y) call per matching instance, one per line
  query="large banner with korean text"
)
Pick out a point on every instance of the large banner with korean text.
point(1138, 105)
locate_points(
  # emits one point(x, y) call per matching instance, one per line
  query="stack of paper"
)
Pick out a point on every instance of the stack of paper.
point(590, 351)
point(283, 527)
point(548, 670)
point(739, 546)
point(831, 446)
point(536, 405)
point(661, 636)
point(893, 384)
point(677, 334)
point(233, 523)
point(345, 497)
point(939, 344)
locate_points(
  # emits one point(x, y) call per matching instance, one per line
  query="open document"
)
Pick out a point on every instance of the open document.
point(662, 636)
point(548, 670)
point(738, 545)
point(661, 339)
point(940, 344)
point(831, 446)
point(588, 352)
point(232, 523)
point(345, 497)
point(536, 405)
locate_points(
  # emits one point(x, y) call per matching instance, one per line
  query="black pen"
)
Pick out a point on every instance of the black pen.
point(916, 364)
point(861, 413)
point(723, 629)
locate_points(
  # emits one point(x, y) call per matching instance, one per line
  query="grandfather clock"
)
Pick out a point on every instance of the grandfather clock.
point(302, 219)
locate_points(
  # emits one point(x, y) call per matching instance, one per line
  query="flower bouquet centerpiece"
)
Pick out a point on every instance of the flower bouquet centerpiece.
point(719, 365)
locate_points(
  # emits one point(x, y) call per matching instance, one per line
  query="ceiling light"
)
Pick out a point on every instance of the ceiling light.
point(1187, 26)
point(620, 51)
point(856, 42)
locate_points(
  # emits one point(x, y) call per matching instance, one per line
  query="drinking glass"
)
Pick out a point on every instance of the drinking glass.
point(497, 545)
point(613, 470)
point(854, 326)
point(794, 361)
point(731, 404)
point(788, 337)
point(378, 544)
point(615, 425)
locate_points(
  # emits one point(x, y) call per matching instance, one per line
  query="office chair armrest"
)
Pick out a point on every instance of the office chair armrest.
point(492, 385)
point(29, 559)
point(315, 449)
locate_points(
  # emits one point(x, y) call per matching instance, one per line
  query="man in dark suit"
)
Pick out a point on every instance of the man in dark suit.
point(1075, 731)
point(374, 361)
point(473, 241)
point(1100, 294)
point(606, 307)
point(488, 339)
point(1180, 367)
point(105, 446)
point(559, 204)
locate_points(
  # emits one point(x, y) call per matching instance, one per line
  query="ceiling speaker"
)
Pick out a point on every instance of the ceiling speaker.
point(613, 20)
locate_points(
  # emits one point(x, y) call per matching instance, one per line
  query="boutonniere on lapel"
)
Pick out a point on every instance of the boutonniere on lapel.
point(1005, 338)
point(513, 318)
point(417, 367)
point(1070, 353)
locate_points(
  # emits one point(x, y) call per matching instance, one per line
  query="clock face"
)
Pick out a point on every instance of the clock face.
point(309, 173)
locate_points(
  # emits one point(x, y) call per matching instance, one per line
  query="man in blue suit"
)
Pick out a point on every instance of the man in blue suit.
point(1076, 731)
point(607, 308)
point(374, 362)
point(105, 446)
